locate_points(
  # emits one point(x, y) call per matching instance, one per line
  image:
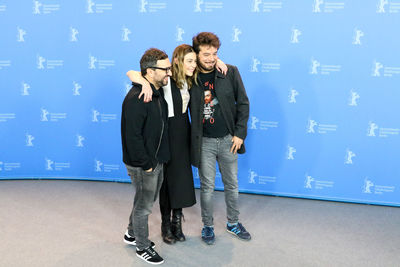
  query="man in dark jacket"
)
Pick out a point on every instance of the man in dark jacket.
point(219, 110)
point(145, 149)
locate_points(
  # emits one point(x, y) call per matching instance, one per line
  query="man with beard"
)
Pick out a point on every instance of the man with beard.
point(219, 127)
point(145, 148)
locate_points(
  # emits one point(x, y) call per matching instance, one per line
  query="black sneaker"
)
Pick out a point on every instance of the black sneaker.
point(149, 255)
point(238, 230)
point(131, 240)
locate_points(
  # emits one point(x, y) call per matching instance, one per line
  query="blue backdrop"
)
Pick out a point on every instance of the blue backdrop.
point(322, 78)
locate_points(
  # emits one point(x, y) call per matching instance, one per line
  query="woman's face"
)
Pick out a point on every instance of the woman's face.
point(189, 63)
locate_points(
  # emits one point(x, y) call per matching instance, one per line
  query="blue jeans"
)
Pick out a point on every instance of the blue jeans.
point(218, 150)
point(147, 186)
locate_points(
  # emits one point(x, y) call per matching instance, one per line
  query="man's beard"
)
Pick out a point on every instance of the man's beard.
point(161, 83)
point(203, 67)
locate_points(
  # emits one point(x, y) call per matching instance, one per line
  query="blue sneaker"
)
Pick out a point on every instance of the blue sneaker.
point(207, 234)
point(238, 230)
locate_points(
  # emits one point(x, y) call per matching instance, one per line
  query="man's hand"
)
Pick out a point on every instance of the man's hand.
point(149, 170)
point(236, 144)
point(147, 92)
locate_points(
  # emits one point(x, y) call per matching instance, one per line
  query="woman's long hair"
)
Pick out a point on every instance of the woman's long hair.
point(178, 71)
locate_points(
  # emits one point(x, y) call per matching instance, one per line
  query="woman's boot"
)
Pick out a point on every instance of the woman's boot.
point(166, 233)
point(176, 226)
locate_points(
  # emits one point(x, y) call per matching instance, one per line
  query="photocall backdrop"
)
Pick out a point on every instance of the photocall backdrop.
point(322, 78)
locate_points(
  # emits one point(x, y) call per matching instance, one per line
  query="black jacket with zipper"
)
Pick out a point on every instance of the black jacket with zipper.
point(144, 129)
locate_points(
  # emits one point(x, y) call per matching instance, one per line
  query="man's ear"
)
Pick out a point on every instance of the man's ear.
point(150, 72)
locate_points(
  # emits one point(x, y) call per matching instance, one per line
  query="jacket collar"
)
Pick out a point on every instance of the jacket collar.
point(219, 74)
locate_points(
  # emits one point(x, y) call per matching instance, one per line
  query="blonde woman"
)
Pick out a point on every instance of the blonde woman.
point(177, 190)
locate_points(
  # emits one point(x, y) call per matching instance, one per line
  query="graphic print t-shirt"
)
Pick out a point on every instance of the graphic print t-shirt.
point(213, 121)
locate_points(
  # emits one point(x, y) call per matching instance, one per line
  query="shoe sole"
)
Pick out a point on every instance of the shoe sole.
point(129, 242)
point(232, 233)
point(154, 263)
point(134, 243)
point(208, 242)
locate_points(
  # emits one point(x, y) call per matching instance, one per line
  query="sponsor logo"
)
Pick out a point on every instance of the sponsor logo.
point(235, 34)
point(295, 36)
point(29, 139)
point(4, 117)
point(265, 6)
point(5, 64)
point(73, 33)
point(313, 183)
point(255, 178)
point(143, 4)
point(370, 187)
point(322, 128)
point(252, 177)
point(372, 127)
point(292, 95)
point(254, 64)
point(257, 124)
point(311, 125)
point(20, 35)
point(354, 96)
point(323, 69)
point(382, 132)
point(349, 157)
point(9, 166)
point(179, 34)
point(25, 89)
point(79, 140)
point(207, 6)
point(103, 116)
point(394, 6)
point(265, 66)
point(95, 63)
point(357, 36)
point(36, 7)
point(151, 6)
point(50, 63)
point(290, 152)
point(99, 166)
point(378, 67)
point(39, 8)
point(50, 165)
point(92, 7)
point(320, 6)
point(125, 34)
point(76, 88)
point(39, 61)
point(54, 117)
point(380, 8)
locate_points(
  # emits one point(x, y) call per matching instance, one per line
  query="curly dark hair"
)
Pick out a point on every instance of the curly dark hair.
point(149, 59)
point(205, 38)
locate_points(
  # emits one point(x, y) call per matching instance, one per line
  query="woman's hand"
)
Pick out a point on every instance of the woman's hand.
point(221, 66)
point(146, 91)
point(136, 77)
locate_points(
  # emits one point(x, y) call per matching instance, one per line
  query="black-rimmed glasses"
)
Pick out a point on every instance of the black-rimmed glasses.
point(164, 69)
